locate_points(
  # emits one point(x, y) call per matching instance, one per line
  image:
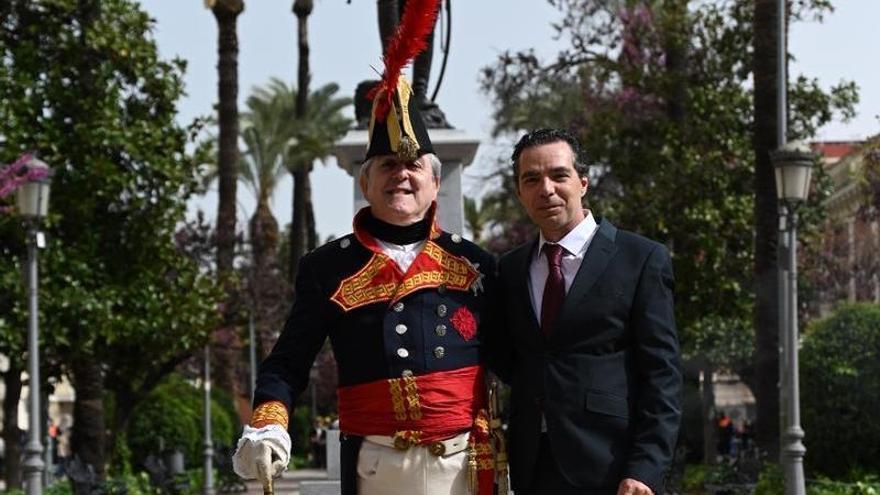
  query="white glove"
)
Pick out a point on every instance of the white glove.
point(262, 453)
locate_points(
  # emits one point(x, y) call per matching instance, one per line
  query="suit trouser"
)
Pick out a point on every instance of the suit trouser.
point(548, 479)
point(384, 470)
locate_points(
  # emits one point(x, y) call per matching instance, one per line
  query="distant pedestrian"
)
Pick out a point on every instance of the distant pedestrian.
point(725, 434)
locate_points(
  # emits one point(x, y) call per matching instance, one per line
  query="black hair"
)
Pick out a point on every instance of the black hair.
point(548, 136)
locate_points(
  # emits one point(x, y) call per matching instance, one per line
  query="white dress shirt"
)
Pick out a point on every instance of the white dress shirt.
point(574, 246)
point(402, 254)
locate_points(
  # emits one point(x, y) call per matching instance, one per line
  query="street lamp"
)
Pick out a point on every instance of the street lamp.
point(33, 205)
point(793, 164)
point(208, 487)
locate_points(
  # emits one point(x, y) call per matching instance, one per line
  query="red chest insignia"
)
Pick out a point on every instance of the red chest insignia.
point(381, 280)
point(464, 322)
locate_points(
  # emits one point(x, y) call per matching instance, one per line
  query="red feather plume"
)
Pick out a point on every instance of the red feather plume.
point(407, 42)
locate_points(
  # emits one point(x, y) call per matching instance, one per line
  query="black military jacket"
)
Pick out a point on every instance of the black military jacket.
point(381, 323)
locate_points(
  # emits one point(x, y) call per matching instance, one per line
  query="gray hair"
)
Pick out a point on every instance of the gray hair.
point(436, 166)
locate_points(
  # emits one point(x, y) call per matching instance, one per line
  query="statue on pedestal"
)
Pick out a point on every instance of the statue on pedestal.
point(389, 15)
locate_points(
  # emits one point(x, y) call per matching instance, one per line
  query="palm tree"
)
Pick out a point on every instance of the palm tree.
point(260, 169)
point(277, 139)
point(226, 12)
point(765, 139)
point(302, 230)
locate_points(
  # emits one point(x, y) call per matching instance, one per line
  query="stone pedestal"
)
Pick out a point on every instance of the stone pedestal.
point(333, 445)
point(332, 485)
point(454, 147)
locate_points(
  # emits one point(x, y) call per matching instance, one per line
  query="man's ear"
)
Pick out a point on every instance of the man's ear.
point(585, 184)
point(362, 180)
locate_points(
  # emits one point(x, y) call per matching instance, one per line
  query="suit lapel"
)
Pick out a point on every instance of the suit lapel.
point(522, 273)
point(602, 249)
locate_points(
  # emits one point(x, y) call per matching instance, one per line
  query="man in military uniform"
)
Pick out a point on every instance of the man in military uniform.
point(403, 304)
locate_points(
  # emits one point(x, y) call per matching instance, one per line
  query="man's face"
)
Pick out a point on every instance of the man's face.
point(550, 188)
point(399, 192)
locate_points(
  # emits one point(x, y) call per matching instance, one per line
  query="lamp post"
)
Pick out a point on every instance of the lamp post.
point(793, 164)
point(208, 488)
point(33, 205)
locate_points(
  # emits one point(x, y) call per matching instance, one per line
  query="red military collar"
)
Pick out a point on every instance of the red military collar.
point(381, 279)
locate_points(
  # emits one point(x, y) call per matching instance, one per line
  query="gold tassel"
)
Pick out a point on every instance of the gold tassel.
point(408, 149)
point(472, 469)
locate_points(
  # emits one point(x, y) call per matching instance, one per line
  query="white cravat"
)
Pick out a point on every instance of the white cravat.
point(402, 254)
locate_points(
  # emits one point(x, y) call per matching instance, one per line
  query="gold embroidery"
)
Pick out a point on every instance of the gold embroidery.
point(270, 413)
point(359, 289)
point(412, 398)
point(397, 399)
point(362, 288)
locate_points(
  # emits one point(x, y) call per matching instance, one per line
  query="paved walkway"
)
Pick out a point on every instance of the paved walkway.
point(289, 482)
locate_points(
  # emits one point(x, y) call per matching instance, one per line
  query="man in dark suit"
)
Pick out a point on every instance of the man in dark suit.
point(589, 346)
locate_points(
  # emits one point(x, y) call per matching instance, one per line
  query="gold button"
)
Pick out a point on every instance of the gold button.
point(403, 352)
point(441, 289)
point(456, 238)
point(398, 307)
point(406, 373)
point(400, 329)
point(441, 310)
point(440, 330)
point(439, 351)
point(344, 243)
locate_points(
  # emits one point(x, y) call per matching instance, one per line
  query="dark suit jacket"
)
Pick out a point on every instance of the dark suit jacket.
point(608, 379)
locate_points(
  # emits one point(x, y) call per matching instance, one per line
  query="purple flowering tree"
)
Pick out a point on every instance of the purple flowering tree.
point(15, 175)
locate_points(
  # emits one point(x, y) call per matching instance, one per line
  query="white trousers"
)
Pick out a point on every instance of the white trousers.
point(384, 470)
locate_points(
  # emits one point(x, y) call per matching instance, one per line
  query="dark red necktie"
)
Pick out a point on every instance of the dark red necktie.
point(554, 289)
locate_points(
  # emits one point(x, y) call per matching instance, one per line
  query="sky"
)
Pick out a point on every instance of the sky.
point(345, 49)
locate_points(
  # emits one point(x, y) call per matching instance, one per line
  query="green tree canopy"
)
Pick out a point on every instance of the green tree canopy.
point(840, 392)
point(659, 94)
point(122, 304)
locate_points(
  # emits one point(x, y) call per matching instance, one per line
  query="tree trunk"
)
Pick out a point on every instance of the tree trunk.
point(765, 139)
point(267, 285)
point(675, 48)
point(299, 234)
point(226, 12)
point(12, 434)
point(310, 211)
point(87, 440)
point(300, 231)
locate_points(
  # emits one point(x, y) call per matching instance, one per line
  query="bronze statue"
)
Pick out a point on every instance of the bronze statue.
point(389, 14)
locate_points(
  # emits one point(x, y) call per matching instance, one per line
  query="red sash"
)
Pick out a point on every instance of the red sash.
point(418, 410)
point(437, 405)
